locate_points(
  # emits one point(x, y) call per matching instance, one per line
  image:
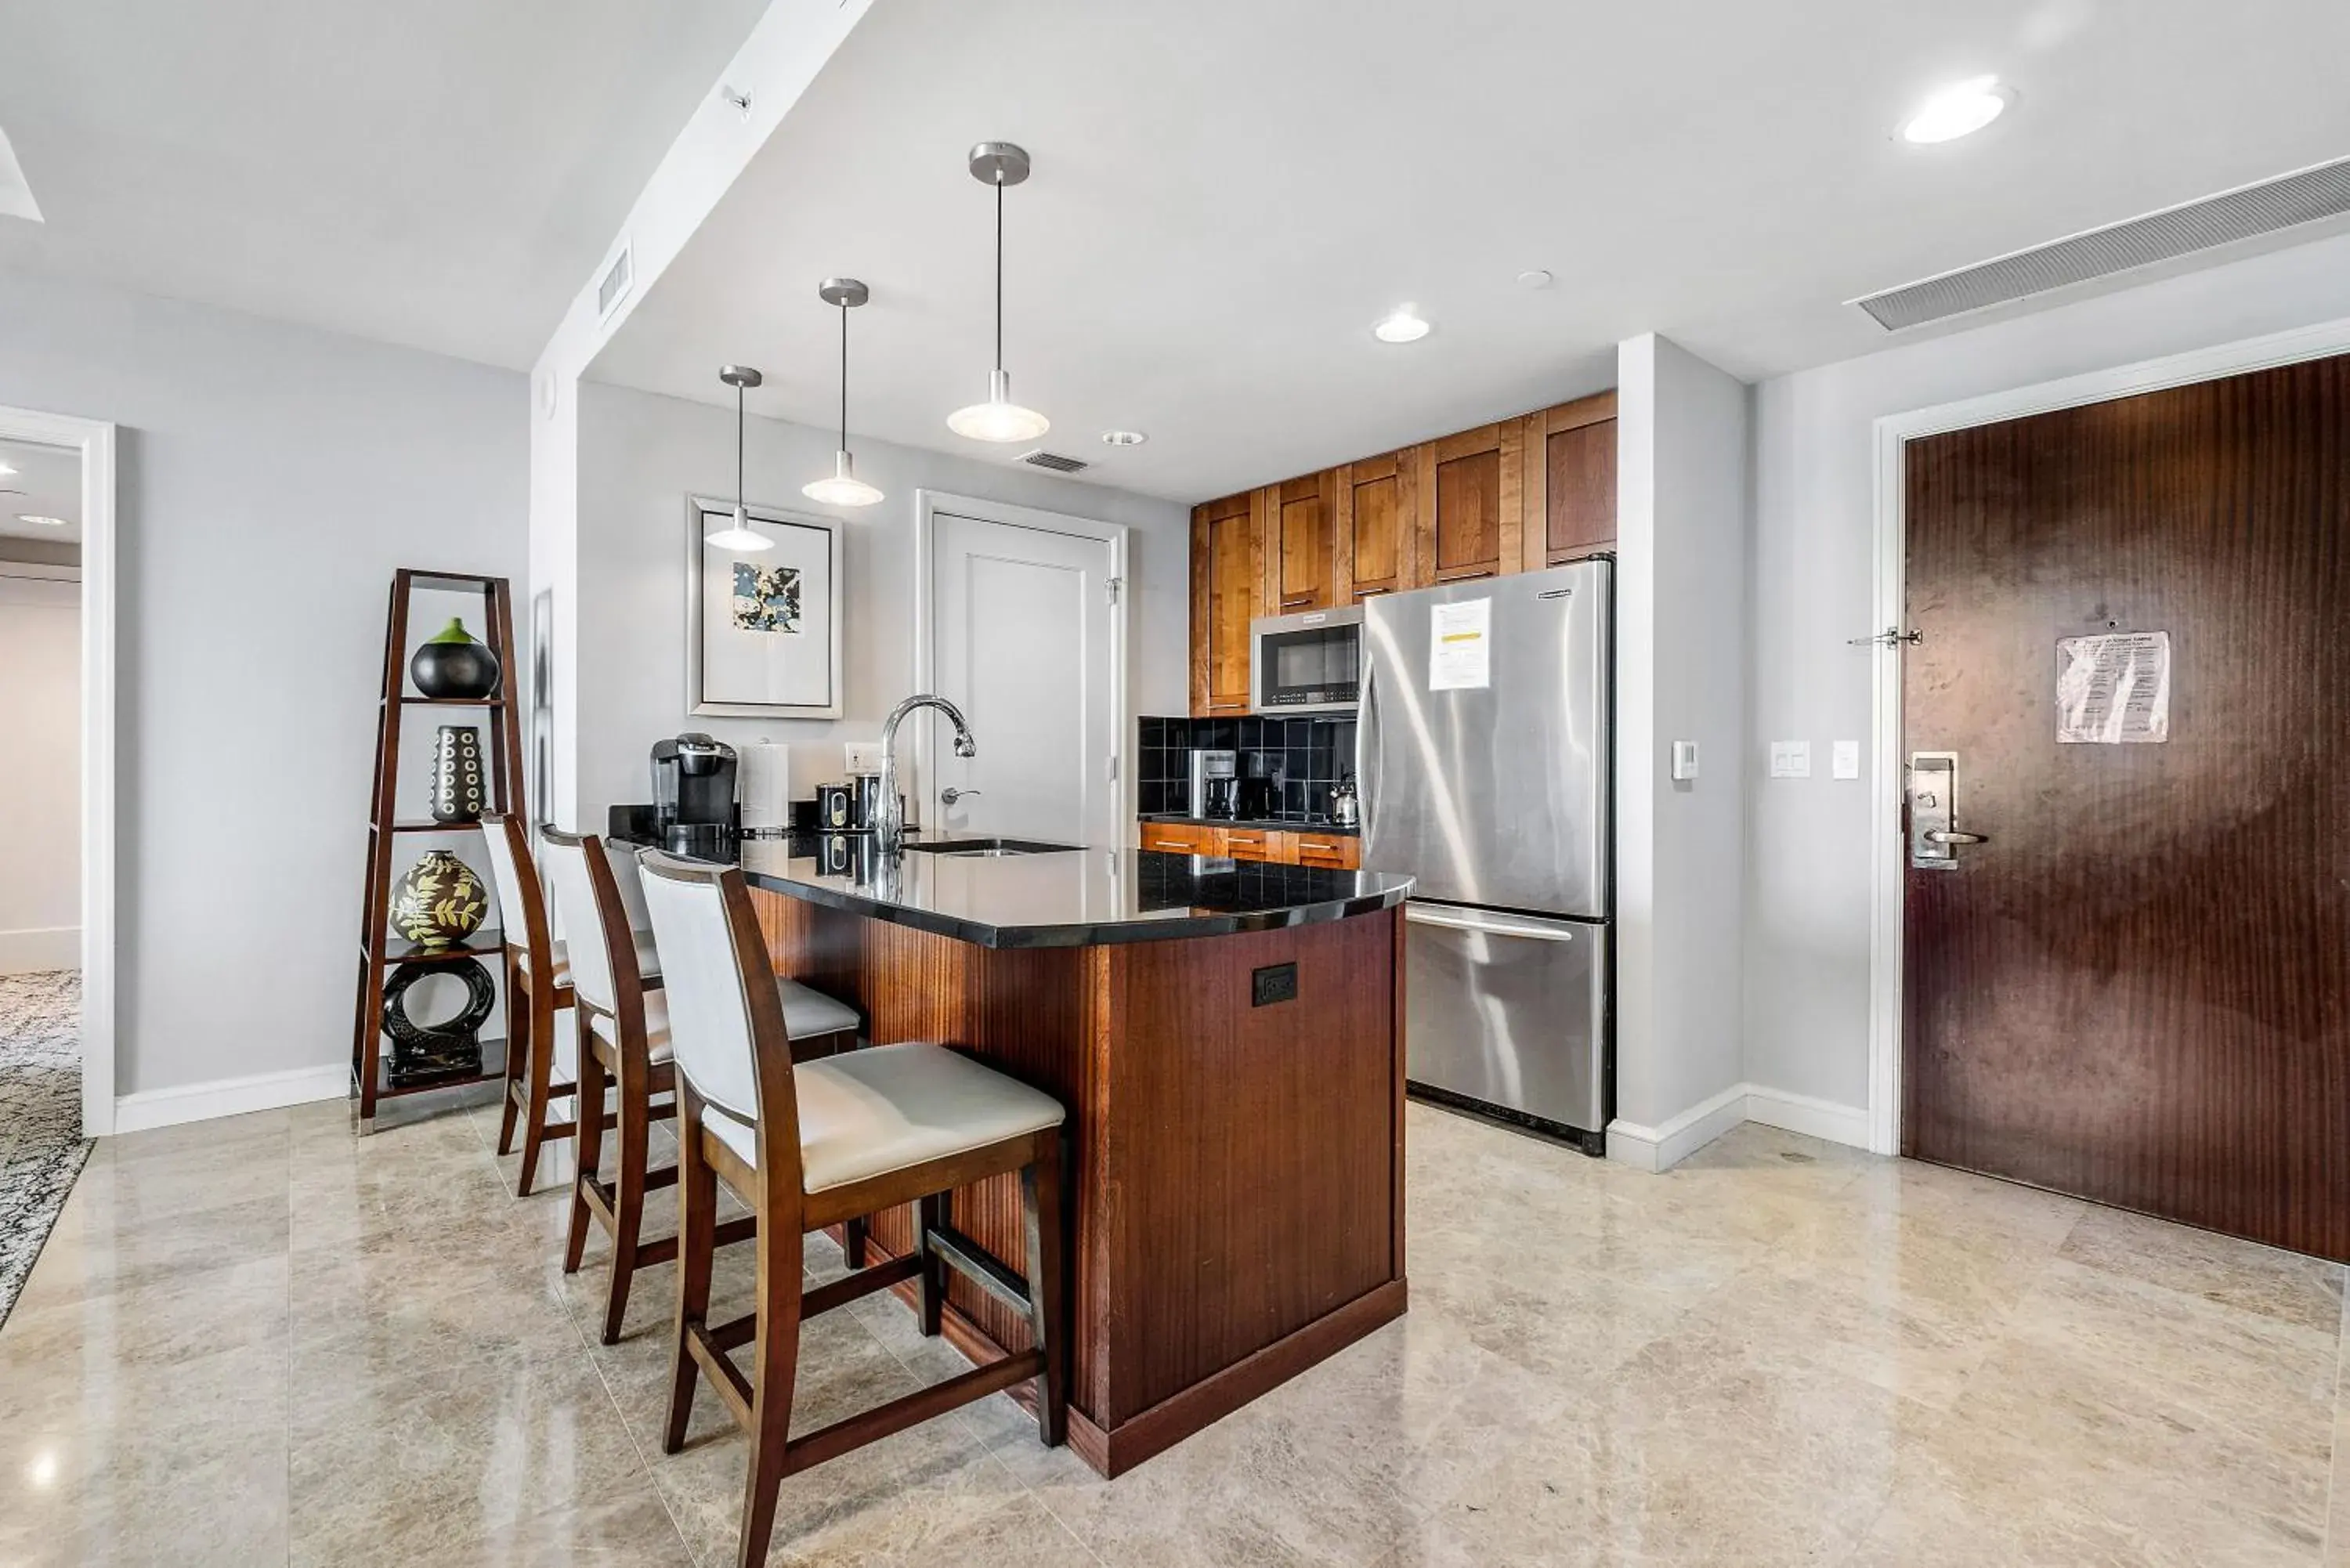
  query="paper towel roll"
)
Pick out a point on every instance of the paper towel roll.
point(766, 777)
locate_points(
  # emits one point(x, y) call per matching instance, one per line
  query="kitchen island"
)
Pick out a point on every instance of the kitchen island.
point(1228, 1040)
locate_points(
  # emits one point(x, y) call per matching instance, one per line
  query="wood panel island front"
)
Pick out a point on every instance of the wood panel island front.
point(1228, 1039)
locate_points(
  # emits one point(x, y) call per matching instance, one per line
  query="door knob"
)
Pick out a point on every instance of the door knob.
point(1939, 835)
point(952, 794)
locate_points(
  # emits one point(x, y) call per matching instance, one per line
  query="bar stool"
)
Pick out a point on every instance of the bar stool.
point(623, 1035)
point(816, 1144)
point(538, 986)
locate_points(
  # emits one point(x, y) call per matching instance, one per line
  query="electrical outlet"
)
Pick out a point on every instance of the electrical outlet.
point(864, 756)
point(1275, 983)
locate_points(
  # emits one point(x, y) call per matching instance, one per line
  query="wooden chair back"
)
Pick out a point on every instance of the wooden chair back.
point(597, 933)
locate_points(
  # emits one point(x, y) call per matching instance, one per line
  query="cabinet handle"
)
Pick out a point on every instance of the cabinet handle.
point(1307, 847)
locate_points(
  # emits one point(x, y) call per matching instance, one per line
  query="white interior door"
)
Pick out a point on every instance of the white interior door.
point(1023, 634)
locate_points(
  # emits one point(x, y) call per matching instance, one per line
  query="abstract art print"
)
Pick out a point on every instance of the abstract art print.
point(763, 627)
point(766, 598)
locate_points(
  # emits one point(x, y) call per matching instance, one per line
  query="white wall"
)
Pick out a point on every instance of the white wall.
point(40, 773)
point(640, 454)
point(1807, 914)
point(1683, 510)
point(270, 479)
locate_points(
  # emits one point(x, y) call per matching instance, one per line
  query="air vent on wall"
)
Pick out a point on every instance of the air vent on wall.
point(615, 285)
point(2302, 197)
point(1040, 458)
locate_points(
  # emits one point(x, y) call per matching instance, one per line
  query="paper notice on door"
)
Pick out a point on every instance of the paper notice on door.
point(2113, 688)
point(1459, 646)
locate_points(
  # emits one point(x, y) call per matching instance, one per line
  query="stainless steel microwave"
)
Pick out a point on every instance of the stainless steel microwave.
point(1311, 662)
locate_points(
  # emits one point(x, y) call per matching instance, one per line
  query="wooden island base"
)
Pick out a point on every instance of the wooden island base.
point(1238, 1168)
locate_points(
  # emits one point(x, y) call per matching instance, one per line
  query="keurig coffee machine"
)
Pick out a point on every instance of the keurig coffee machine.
point(694, 805)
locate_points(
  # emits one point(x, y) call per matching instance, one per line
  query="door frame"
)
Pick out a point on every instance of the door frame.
point(1887, 854)
point(93, 440)
point(928, 504)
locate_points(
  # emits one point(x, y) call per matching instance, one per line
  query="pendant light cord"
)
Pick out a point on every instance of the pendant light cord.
point(742, 506)
point(843, 375)
point(999, 271)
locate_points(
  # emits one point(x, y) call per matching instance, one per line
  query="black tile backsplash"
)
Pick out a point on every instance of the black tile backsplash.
point(1304, 757)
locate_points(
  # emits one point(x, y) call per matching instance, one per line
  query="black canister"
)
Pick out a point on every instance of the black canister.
point(836, 808)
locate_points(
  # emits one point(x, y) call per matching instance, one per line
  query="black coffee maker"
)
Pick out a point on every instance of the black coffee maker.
point(694, 804)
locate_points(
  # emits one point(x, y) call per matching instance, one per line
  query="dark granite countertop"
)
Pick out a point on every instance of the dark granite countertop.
point(1077, 897)
point(1256, 824)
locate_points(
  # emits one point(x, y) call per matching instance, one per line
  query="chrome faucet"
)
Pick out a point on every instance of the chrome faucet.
point(889, 812)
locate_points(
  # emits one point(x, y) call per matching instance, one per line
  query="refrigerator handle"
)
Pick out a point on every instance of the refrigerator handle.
point(1491, 924)
point(1367, 744)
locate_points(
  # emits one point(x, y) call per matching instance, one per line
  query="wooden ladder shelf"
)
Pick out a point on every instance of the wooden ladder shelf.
point(379, 950)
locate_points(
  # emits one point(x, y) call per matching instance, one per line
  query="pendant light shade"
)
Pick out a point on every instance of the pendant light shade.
point(844, 488)
point(738, 535)
point(998, 163)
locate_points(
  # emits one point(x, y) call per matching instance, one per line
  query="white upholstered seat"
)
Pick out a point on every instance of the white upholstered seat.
point(647, 959)
point(808, 1013)
point(867, 1113)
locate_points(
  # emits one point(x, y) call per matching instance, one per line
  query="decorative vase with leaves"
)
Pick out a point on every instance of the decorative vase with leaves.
point(458, 796)
point(439, 902)
point(452, 664)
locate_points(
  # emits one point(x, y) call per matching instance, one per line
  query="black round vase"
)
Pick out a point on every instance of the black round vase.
point(455, 665)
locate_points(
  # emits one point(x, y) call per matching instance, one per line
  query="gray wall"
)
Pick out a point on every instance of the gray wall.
point(640, 454)
point(1807, 914)
point(271, 478)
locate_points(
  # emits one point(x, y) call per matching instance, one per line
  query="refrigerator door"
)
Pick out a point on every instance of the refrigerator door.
point(1508, 1011)
point(1482, 749)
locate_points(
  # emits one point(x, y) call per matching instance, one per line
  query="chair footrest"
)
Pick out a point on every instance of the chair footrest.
point(967, 1257)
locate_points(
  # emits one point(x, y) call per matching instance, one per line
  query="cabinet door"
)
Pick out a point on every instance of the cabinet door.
point(1337, 851)
point(1250, 843)
point(1300, 557)
point(1471, 517)
point(1570, 461)
point(1228, 554)
point(1372, 507)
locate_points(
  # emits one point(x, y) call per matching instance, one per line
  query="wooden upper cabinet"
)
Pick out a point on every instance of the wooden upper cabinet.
point(1470, 517)
point(1373, 503)
point(1570, 501)
point(1300, 512)
point(1228, 591)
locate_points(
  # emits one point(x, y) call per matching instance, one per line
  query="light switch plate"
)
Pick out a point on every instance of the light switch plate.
point(1845, 761)
point(1791, 759)
point(864, 756)
point(1684, 761)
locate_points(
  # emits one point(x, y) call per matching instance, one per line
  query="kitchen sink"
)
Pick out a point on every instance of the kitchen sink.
point(993, 848)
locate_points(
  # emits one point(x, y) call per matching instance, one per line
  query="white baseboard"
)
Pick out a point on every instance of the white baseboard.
point(47, 947)
point(1662, 1148)
point(229, 1098)
point(1803, 1113)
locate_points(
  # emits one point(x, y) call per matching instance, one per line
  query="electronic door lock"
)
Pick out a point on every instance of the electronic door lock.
point(1934, 836)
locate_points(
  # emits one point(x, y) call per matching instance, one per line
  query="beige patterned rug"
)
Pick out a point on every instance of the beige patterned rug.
point(41, 1146)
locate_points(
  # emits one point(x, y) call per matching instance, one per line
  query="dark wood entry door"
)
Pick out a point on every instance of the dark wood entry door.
point(2138, 988)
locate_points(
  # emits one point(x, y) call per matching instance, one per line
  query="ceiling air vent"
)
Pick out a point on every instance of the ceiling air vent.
point(2303, 197)
point(1040, 458)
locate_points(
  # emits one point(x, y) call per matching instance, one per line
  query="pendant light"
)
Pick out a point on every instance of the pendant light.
point(844, 488)
point(998, 163)
point(738, 535)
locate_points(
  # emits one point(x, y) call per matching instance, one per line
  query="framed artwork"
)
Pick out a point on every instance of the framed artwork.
point(762, 628)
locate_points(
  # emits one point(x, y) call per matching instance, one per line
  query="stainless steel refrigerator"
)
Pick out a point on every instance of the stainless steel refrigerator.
point(1484, 759)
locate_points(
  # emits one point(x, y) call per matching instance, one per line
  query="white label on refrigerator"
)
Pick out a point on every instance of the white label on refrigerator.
point(1460, 646)
point(2113, 688)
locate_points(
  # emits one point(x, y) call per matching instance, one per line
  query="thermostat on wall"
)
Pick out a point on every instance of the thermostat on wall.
point(1684, 759)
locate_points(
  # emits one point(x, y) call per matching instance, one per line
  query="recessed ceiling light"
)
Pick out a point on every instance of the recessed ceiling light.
point(38, 521)
point(1536, 277)
point(1405, 326)
point(4, 468)
point(1957, 111)
point(1123, 438)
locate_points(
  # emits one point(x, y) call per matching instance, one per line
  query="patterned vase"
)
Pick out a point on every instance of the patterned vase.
point(439, 902)
point(457, 794)
point(452, 664)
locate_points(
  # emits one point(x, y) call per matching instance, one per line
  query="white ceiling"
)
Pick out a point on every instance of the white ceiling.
point(1228, 194)
point(46, 484)
point(441, 173)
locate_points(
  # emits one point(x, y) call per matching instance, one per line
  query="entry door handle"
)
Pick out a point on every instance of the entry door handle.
point(952, 794)
point(1939, 835)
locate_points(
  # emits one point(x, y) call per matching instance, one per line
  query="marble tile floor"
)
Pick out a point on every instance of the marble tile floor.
point(264, 1341)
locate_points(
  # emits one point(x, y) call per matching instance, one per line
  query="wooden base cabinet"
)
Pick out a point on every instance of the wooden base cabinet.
point(1278, 847)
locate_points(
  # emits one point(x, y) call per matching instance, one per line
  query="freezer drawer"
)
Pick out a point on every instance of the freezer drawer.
point(1509, 1011)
